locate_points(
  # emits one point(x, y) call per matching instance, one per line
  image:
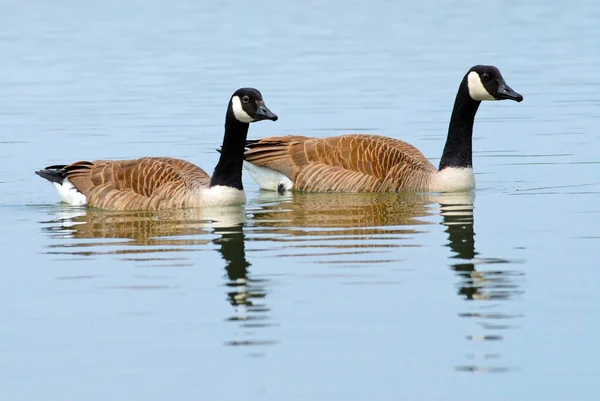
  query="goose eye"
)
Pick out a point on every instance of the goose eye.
point(245, 99)
point(485, 76)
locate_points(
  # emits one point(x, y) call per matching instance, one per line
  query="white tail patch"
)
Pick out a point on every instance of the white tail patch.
point(268, 179)
point(453, 179)
point(69, 194)
point(476, 89)
point(239, 112)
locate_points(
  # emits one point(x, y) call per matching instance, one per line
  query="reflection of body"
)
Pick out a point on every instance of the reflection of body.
point(147, 227)
point(166, 228)
point(362, 215)
point(169, 231)
point(355, 212)
point(358, 215)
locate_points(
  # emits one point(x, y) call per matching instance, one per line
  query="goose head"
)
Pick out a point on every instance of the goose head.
point(248, 106)
point(485, 82)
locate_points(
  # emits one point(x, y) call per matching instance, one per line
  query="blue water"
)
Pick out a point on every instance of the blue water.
point(493, 295)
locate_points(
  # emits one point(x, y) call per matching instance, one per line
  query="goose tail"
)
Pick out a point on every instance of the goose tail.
point(55, 173)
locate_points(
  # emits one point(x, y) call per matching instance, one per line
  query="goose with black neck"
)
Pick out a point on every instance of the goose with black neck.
point(157, 183)
point(374, 163)
point(479, 84)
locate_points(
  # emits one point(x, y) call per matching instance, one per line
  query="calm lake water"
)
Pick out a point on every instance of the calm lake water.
point(491, 295)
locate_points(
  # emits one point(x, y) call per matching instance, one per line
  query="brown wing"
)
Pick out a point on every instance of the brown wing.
point(140, 184)
point(348, 163)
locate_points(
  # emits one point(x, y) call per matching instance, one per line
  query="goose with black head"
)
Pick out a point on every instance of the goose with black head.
point(374, 163)
point(153, 183)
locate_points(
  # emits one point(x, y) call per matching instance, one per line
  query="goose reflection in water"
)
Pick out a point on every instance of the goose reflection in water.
point(166, 235)
point(342, 224)
point(334, 217)
point(296, 217)
point(246, 293)
point(301, 225)
point(340, 229)
point(488, 286)
point(475, 285)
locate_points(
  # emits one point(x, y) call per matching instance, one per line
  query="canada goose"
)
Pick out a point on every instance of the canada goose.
point(153, 183)
point(372, 163)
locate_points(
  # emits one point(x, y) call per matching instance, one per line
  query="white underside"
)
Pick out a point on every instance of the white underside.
point(268, 179)
point(453, 179)
point(220, 195)
point(69, 194)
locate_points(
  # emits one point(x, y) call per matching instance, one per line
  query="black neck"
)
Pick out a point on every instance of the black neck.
point(458, 151)
point(229, 168)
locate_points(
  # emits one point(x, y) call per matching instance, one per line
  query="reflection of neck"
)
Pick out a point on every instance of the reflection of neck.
point(233, 251)
point(459, 220)
point(228, 171)
point(461, 235)
point(458, 150)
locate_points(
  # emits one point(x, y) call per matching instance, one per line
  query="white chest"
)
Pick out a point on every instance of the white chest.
point(453, 179)
point(221, 196)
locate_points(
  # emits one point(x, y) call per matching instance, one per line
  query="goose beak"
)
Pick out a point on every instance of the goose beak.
point(506, 92)
point(263, 113)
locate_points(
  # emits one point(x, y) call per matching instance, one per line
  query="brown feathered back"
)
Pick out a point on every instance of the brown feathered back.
point(149, 183)
point(348, 163)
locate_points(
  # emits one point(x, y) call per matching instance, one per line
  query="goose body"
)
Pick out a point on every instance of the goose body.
point(349, 163)
point(156, 183)
point(374, 163)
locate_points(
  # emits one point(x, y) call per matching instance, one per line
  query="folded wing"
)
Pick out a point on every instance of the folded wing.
point(348, 163)
point(146, 183)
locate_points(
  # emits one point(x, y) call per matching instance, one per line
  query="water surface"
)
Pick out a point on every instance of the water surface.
point(488, 295)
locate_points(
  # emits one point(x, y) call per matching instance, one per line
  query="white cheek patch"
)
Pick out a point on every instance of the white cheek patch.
point(238, 111)
point(476, 89)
